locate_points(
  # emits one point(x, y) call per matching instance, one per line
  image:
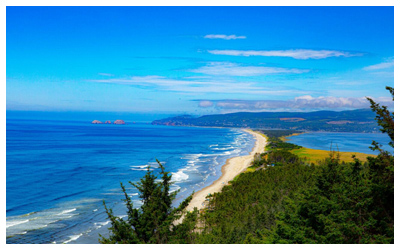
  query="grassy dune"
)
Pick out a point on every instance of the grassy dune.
point(315, 155)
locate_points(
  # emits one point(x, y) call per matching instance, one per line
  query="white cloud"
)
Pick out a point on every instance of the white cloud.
point(105, 74)
point(232, 69)
point(329, 102)
point(297, 103)
point(206, 104)
point(383, 65)
point(195, 86)
point(225, 37)
point(294, 53)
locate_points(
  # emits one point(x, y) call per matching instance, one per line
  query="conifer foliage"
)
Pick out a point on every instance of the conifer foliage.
point(384, 118)
point(153, 222)
point(350, 203)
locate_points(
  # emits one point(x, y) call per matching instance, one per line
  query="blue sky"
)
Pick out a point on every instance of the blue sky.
point(198, 60)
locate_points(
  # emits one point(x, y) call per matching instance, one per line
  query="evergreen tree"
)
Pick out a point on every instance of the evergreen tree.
point(154, 221)
point(385, 119)
point(350, 203)
point(382, 170)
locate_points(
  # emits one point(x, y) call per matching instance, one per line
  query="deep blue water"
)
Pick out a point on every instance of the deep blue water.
point(345, 142)
point(58, 173)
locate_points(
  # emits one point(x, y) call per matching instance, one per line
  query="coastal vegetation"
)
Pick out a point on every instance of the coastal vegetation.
point(286, 198)
point(316, 155)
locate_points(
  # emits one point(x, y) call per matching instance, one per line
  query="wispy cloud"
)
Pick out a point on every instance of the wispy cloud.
point(383, 65)
point(233, 69)
point(205, 104)
point(294, 53)
point(225, 37)
point(196, 85)
point(105, 74)
point(306, 102)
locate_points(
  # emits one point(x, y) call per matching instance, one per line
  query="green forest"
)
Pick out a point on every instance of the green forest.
point(285, 199)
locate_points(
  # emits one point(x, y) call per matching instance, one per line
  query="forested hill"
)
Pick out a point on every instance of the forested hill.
point(360, 120)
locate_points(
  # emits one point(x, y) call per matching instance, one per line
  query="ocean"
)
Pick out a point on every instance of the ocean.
point(59, 172)
point(344, 142)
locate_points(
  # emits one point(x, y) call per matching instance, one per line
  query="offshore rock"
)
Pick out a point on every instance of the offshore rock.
point(119, 122)
point(107, 122)
point(96, 122)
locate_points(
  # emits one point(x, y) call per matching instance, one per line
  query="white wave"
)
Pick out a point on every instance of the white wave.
point(72, 238)
point(224, 148)
point(14, 223)
point(227, 153)
point(152, 165)
point(67, 211)
point(48, 218)
point(22, 227)
point(140, 166)
point(179, 176)
point(101, 224)
point(36, 220)
point(174, 188)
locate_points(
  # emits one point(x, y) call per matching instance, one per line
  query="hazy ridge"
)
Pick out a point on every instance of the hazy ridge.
point(360, 120)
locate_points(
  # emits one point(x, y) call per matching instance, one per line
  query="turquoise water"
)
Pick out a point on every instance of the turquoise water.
point(345, 142)
point(59, 172)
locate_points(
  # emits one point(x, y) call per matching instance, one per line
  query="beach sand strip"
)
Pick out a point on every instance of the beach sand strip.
point(232, 168)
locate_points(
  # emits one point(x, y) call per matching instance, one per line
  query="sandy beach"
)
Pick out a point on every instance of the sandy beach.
point(232, 167)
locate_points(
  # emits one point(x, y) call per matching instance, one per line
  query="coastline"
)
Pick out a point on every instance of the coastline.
point(230, 169)
point(286, 138)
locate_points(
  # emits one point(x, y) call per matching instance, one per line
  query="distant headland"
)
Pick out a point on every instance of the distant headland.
point(356, 121)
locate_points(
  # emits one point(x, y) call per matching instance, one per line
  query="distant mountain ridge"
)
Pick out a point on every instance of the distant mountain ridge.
point(359, 120)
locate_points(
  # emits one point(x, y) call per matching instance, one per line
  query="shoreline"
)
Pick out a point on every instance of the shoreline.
point(233, 167)
point(286, 138)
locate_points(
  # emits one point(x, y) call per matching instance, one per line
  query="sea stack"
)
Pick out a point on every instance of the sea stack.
point(96, 122)
point(119, 122)
point(107, 122)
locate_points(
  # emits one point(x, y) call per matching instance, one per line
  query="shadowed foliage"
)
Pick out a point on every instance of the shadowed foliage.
point(153, 222)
